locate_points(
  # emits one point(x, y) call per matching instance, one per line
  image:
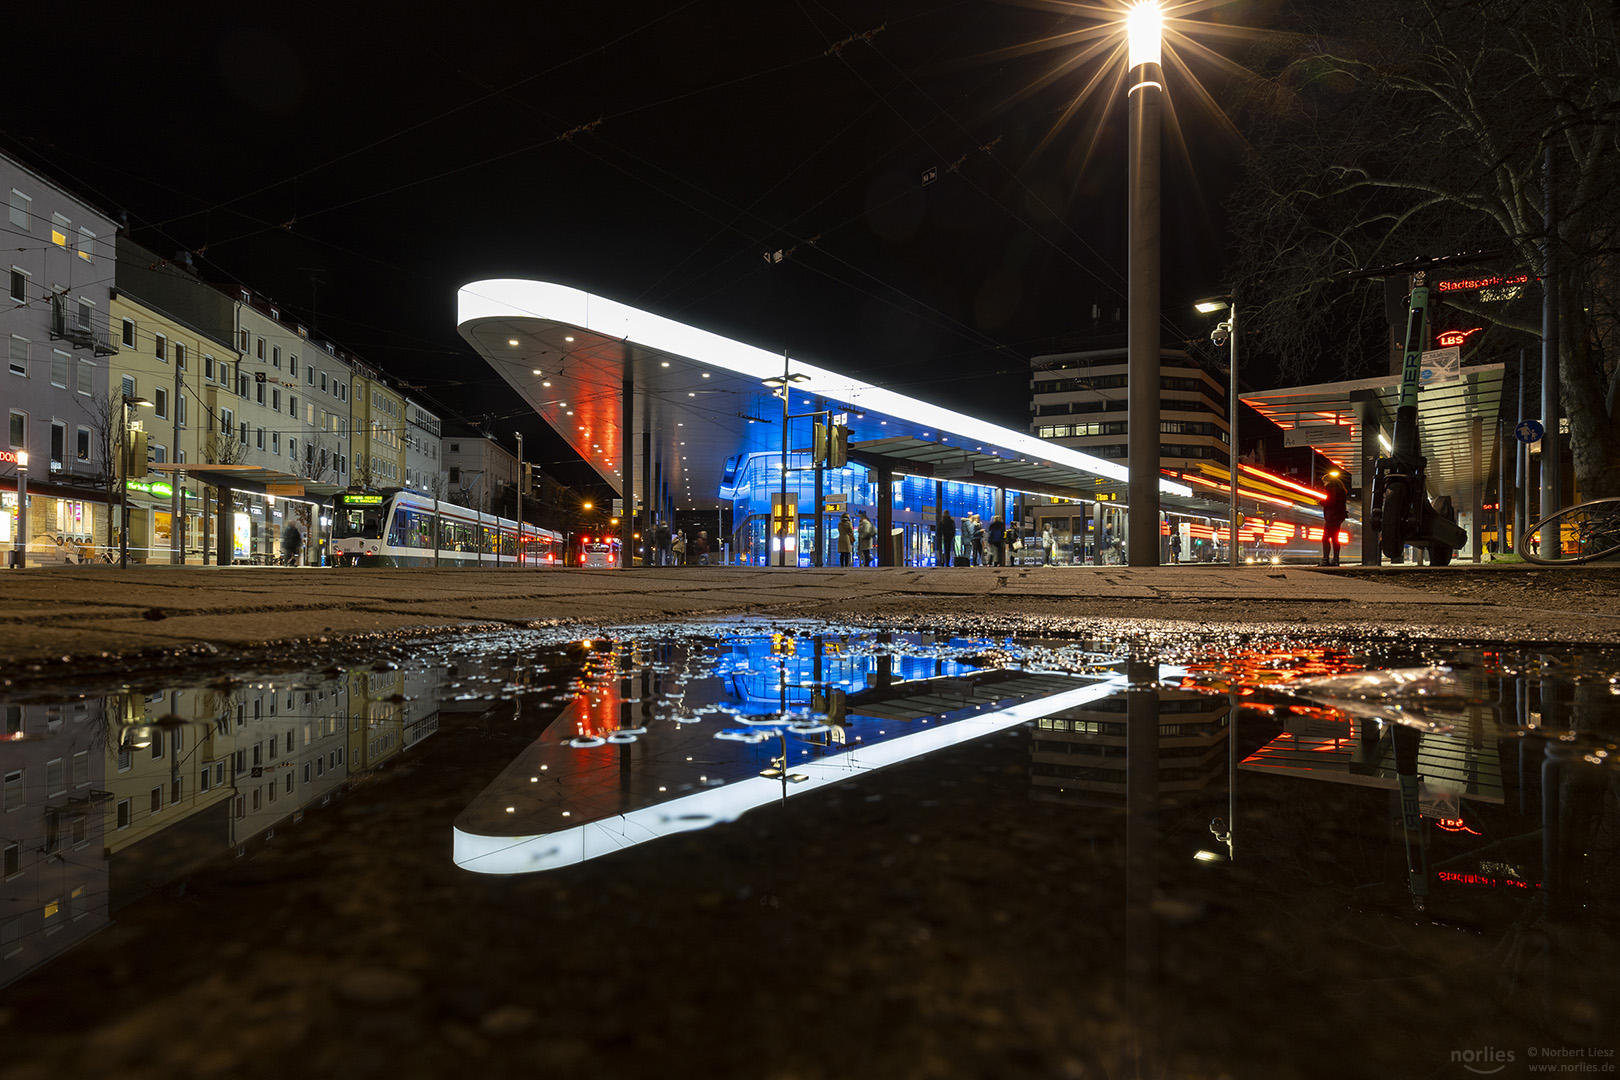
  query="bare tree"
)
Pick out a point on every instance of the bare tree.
point(1394, 129)
point(320, 460)
point(104, 415)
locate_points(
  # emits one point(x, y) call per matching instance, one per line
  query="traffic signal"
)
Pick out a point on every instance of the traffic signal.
point(837, 446)
point(819, 444)
point(135, 454)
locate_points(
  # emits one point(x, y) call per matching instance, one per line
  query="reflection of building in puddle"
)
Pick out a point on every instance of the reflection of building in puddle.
point(1324, 744)
point(109, 797)
point(1078, 755)
point(661, 741)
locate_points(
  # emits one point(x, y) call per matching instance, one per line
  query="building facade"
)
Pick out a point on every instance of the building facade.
point(60, 265)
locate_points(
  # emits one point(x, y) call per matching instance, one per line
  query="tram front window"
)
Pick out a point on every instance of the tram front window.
point(365, 521)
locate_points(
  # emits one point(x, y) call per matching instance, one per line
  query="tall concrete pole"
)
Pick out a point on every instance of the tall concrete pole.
point(1551, 478)
point(1145, 103)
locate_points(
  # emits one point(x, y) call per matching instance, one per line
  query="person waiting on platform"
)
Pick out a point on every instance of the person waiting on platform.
point(846, 539)
point(945, 539)
point(1335, 507)
point(866, 536)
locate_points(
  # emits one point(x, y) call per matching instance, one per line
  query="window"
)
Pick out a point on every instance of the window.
point(82, 449)
point(275, 356)
point(19, 430)
point(275, 442)
point(81, 768)
point(343, 391)
point(309, 374)
point(259, 349)
point(11, 795)
point(292, 404)
point(20, 215)
point(14, 720)
point(179, 356)
point(260, 441)
point(55, 777)
point(258, 391)
point(242, 382)
point(292, 366)
point(180, 410)
point(59, 368)
point(86, 378)
point(162, 402)
point(157, 799)
point(243, 344)
point(161, 348)
point(19, 355)
point(242, 433)
point(177, 788)
point(292, 448)
point(323, 382)
point(227, 422)
point(160, 453)
point(129, 333)
point(207, 775)
point(208, 366)
point(59, 229)
point(127, 385)
point(58, 445)
point(87, 314)
point(19, 285)
point(13, 860)
point(87, 245)
point(275, 398)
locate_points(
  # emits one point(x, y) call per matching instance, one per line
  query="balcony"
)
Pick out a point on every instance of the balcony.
point(77, 334)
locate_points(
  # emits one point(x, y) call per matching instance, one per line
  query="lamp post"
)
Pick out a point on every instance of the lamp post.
point(520, 499)
point(1230, 328)
point(22, 510)
point(783, 387)
point(123, 477)
point(1144, 100)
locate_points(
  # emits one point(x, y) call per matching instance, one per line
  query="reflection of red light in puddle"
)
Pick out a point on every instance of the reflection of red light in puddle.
point(1455, 825)
point(1483, 879)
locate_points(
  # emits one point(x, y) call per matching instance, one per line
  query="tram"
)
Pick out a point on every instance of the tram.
point(393, 527)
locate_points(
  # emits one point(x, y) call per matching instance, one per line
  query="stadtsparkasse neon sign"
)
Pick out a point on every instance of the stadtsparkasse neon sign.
point(1469, 284)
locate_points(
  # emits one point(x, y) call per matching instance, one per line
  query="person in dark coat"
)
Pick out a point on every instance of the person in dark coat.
point(1335, 507)
point(945, 539)
point(292, 543)
point(998, 542)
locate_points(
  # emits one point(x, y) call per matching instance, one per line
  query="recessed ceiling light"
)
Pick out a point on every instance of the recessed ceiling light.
point(546, 383)
point(705, 374)
point(664, 363)
point(537, 371)
point(570, 337)
point(511, 341)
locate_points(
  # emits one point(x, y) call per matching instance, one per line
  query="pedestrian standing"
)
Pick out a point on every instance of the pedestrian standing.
point(678, 547)
point(1048, 546)
point(1175, 545)
point(998, 542)
point(1335, 507)
point(664, 542)
point(846, 539)
point(700, 549)
point(292, 543)
point(945, 540)
point(866, 536)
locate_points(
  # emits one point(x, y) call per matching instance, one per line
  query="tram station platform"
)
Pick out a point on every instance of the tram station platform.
point(100, 617)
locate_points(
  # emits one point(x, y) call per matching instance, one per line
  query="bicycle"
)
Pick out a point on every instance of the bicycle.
point(1583, 533)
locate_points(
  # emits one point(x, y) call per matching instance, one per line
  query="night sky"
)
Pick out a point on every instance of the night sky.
point(357, 163)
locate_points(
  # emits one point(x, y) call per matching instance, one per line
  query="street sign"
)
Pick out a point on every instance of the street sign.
point(1316, 435)
point(1529, 431)
point(1441, 365)
point(833, 504)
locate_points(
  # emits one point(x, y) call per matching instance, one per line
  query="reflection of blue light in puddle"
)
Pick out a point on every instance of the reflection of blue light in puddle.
point(585, 742)
point(742, 735)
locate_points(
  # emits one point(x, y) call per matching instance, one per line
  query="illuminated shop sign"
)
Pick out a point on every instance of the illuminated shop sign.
point(363, 500)
point(1492, 282)
point(1448, 339)
point(8, 456)
point(161, 488)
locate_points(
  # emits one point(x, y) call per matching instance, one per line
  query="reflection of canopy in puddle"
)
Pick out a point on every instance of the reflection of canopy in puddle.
point(527, 845)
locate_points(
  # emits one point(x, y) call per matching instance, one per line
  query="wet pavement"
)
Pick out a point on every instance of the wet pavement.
point(777, 846)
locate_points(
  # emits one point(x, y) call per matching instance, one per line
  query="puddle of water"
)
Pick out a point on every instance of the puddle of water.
point(1284, 843)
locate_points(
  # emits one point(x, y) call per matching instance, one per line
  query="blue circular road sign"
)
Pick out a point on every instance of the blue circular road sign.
point(1529, 431)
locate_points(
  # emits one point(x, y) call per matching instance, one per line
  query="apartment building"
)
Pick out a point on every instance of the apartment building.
point(60, 260)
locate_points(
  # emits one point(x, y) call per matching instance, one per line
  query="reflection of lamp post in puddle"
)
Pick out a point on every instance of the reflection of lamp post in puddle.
point(1229, 330)
point(779, 527)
